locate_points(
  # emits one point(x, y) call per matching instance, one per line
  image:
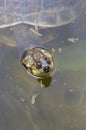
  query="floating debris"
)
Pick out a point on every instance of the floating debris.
point(70, 90)
point(22, 99)
point(59, 50)
point(34, 96)
point(53, 50)
point(64, 83)
point(36, 32)
point(72, 39)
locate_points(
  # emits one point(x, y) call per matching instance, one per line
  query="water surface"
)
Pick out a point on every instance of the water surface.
point(62, 105)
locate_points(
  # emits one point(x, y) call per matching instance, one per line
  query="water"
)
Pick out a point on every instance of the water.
point(25, 104)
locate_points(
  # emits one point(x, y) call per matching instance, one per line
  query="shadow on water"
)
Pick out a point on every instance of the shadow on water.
point(25, 104)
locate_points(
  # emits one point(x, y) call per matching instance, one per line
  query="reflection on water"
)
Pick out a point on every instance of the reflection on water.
point(62, 105)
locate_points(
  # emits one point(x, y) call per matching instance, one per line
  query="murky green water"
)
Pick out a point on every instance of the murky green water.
point(24, 104)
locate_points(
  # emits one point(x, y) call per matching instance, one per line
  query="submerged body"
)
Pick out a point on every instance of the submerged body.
point(39, 13)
